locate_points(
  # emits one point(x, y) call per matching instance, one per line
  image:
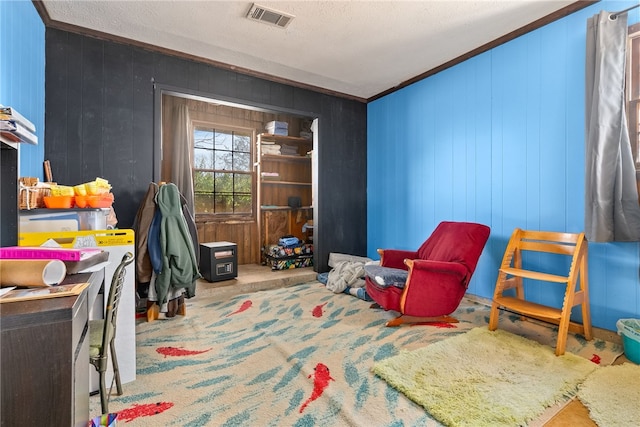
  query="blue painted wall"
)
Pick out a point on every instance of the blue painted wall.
point(498, 139)
point(22, 64)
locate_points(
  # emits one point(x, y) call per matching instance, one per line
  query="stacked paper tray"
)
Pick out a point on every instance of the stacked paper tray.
point(74, 267)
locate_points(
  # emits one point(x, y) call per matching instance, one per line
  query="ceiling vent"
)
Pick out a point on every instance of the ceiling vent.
point(269, 16)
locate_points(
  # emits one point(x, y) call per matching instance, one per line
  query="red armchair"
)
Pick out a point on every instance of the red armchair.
point(428, 284)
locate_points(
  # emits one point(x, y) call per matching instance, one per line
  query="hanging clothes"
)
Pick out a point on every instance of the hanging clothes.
point(179, 262)
point(141, 224)
point(154, 250)
point(191, 225)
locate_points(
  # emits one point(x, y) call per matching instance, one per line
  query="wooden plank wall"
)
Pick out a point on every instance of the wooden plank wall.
point(219, 114)
point(243, 232)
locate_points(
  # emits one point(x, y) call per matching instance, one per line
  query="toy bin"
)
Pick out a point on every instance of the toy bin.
point(630, 331)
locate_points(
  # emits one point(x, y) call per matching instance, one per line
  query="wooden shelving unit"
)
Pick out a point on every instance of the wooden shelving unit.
point(276, 217)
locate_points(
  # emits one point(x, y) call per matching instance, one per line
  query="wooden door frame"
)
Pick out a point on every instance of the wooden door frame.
point(160, 89)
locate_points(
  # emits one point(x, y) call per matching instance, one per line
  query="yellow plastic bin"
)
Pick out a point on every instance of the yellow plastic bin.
point(630, 331)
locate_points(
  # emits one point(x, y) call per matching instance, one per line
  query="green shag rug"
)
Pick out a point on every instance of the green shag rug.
point(484, 378)
point(612, 394)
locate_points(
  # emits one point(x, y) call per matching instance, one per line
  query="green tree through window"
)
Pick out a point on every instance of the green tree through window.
point(222, 171)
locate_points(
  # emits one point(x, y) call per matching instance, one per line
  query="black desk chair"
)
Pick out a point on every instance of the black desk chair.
point(102, 334)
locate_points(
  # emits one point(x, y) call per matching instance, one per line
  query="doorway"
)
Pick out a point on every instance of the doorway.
point(242, 225)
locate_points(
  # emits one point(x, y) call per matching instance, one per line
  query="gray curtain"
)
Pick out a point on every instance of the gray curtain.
point(181, 163)
point(612, 212)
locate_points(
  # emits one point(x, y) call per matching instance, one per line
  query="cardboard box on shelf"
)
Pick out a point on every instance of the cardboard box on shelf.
point(278, 128)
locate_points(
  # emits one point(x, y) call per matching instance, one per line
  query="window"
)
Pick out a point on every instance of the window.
point(633, 92)
point(222, 173)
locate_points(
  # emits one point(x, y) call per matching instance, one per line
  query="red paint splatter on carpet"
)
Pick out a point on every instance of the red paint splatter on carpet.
point(177, 351)
point(244, 307)
point(146, 410)
point(595, 359)
point(317, 310)
point(321, 378)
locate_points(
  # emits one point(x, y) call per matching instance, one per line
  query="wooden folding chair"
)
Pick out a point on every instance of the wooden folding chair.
point(576, 292)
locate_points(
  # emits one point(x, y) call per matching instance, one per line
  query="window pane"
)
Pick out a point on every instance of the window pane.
point(202, 158)
point(203, 182)
point(203, 202)
point(242, 183)
point(242, 143)
point(218, 152)
point(224, 140)
point(202, 138)
point(242, 204)
point(224, 203)
point(224, 160)
point(224, 183)
point(241, 161)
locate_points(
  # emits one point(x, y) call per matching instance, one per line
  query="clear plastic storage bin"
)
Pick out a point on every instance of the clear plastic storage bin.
point(630, 331)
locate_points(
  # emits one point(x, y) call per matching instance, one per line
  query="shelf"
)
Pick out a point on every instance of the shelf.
point(285, 183)
point(292, 180)
point(529, 308)
point(9, 137)
point(284, 158)
point(284, 208)
point(535, 275)
point(294, 139)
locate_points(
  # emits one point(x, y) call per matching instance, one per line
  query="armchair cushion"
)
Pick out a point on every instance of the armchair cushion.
point(386, 276)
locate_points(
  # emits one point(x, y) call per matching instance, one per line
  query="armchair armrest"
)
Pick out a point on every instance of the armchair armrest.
point(441, 284)
point(394, 258)
point(420, 267)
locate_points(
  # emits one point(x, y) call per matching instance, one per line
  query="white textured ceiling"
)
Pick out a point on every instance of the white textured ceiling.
point(354, 47)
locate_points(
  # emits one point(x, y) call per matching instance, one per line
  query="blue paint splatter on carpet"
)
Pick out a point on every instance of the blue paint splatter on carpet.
point(385, 351)
point(263, 377)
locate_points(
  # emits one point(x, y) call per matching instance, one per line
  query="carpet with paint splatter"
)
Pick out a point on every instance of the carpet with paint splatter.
point(297, 356)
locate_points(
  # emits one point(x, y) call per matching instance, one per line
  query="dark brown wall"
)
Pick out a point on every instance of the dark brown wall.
point(99, 121)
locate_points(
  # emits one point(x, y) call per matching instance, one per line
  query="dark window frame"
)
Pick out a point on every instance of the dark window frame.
point(232, 130)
